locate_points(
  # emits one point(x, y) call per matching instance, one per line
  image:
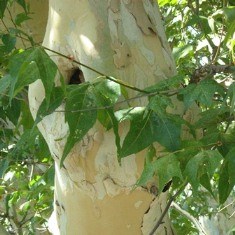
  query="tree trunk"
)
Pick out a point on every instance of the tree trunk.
point(93, 193)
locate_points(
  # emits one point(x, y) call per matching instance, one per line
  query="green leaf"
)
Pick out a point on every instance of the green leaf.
point(3, 5)
point(205, 162)
point(167, 130)
point(9, 42)
point(227, 176)
point(57, 96)
point(26, 140)
point(20, 18)
point(199, 20)
point(166, 168)
point(146, 128)
point(146, 175)
point(231, 96)
point(166, 84)
point(140, 134)
point(13, 111)
point(205, 182)
point(212, 117)
point(4, 164)
point(80, 113)
point(30, 65)
point(180, 52)
point(107, 93)
point(5, 83)
point(23, 4)
point(228, 13)
point(150, 154)
point(109, 89)
point(230, 32)
point(202, 92)
point(159, 103)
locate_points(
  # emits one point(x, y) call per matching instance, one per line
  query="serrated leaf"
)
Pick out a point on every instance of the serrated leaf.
point(202, 92)
point(227, 176)
point(30, 65)
point(166, 168)
point(167, 130)
point(80, 97)
point(147, 128)
point(205, 162)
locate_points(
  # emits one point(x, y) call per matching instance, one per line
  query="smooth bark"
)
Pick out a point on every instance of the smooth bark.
point(124, 39)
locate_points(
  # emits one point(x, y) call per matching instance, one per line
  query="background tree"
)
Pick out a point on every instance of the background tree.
point(139, 109)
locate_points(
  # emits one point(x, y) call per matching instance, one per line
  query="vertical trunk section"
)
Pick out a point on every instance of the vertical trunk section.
point(124, 39)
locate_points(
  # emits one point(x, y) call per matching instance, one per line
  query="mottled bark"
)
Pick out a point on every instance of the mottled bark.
point(124, 39)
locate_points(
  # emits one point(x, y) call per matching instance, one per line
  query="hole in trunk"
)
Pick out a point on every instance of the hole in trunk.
point(76, 76)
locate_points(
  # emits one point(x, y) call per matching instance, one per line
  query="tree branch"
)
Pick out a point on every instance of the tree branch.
point(98, 72)
point(190, 217)
point(167, 208)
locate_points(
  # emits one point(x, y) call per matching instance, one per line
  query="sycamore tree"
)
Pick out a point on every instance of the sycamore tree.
point(131, 109)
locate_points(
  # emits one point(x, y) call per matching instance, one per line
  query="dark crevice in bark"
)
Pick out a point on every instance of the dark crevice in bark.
point(77, 77)
point(167, 186)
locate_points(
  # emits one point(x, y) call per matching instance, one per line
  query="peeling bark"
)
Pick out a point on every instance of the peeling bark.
point(124, 39)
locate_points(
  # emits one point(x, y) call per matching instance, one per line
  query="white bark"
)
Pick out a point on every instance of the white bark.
point(124, 39)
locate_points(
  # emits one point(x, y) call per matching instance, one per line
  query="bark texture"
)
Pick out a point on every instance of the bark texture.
point(124, 39)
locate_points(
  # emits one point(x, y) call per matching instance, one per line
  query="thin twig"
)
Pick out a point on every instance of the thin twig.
point(13, 22)
point(118, 103)
point(96, 71)
point(190, 217)
point(167, 208)
point(5, 26)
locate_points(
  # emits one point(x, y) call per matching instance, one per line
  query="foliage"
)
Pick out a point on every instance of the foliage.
point(201, 34)
point(26, 170)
